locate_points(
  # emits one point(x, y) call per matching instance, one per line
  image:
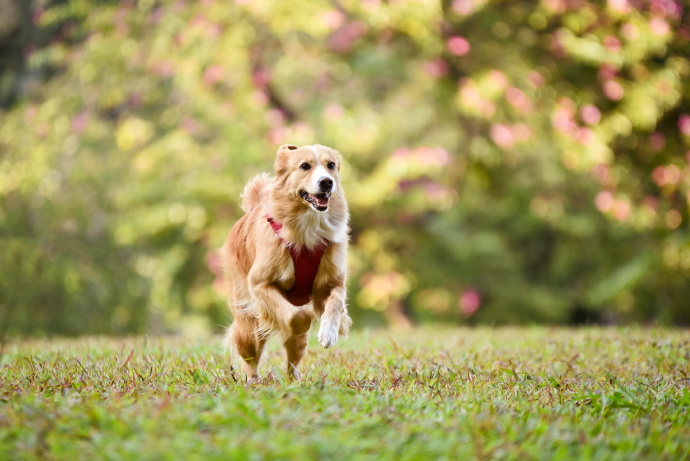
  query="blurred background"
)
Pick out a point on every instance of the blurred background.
point(505, 161)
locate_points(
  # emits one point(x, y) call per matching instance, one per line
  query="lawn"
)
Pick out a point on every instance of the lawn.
point(432, 393)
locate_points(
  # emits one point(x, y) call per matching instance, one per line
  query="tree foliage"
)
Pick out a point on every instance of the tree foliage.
point(506, 161)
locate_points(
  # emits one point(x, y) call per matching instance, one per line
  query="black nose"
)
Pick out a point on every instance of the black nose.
point(326, 184)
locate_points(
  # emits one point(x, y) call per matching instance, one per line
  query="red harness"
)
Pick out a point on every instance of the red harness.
point(306, 264)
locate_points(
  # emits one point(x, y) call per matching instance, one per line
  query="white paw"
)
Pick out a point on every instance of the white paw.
point(328, 332)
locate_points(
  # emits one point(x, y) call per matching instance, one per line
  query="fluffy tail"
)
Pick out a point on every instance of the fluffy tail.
point(251, 196)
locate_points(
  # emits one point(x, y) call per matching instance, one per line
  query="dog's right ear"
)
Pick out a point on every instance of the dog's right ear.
point(281, 165)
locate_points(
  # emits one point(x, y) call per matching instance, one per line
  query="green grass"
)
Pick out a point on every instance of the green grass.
point(515, 393)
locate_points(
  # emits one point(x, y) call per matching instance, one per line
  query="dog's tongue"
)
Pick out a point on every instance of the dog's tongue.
point(322, 199)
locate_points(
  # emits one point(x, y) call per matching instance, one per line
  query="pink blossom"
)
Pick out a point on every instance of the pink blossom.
point(604, 201)
point(606, 72)
point(213, 74)
point(189, 125)
point(557, 6)
point(659, 26)
point(651, 202)
point(36, 15)
point(332, 19)
point(518, 99)
point(684, 124)
point(621, 210)
point(458, 46)
point(469, 93)
point(436, 68)
point(162, 68)
point(276, 135)
point(562, 120)
point(664, 175)
point(502, 135)
point(344, 38)
point(78, 122)
point(275, 117)
point(333, 111)
point(498, 78)
point(612, 44)
point(435, 191)
point(622, 6)
point(156, 15)
point(602, 172)
point(585, 136)
point(590, 114)
point(613, 90)
point(463, 7)
point(535, 79)
point(521, 132)
point(630, 31)
point(30, 113)
point(214, 263)
point(470, 302)
point(657, 140)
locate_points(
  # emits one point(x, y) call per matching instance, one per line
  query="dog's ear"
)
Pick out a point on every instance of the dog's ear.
point(282, 156)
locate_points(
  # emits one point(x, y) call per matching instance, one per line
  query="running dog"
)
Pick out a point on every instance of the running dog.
point(285, 258)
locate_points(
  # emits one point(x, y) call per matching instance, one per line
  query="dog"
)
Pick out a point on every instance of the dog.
point(285, 259)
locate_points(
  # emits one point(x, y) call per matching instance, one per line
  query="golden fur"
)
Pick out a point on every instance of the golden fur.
point(259, 266)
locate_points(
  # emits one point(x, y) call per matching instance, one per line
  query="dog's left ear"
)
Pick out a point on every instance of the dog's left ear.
point(281, 164)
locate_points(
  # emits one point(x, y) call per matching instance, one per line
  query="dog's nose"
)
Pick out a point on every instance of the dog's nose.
point(326, 184)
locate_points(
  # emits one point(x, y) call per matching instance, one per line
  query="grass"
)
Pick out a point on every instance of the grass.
point(513, 393)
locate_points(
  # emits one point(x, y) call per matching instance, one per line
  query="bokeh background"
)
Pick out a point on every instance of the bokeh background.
point(505, 161)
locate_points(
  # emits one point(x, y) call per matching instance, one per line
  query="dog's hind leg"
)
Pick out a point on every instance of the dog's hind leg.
point(295, 347)
point(249, 345)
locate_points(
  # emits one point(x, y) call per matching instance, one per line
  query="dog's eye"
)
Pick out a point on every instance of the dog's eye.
point(331, 165)
point(305, 166)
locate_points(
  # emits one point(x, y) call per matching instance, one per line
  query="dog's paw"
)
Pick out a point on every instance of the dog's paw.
point(328, 332)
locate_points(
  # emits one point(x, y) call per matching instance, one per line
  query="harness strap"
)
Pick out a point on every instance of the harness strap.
point(306, 263)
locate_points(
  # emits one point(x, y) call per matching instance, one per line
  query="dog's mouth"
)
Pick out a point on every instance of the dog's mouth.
point(318, 201)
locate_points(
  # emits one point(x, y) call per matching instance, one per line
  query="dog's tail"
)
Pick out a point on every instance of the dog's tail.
point(251, 196)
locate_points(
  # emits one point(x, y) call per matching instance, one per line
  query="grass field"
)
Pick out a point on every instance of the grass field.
point(514, 393)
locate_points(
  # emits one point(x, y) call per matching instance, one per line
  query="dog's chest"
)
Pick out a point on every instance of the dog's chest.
point(298, 275)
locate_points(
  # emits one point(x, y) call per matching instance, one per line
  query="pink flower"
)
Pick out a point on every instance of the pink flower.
point(663, 175)
point(470, 302)
point(612, 44)
point(684, 124)
point(78, 122)
point(333, 111)
point(651, 202)
point(621, 210)
point(458, 46)
point(333, 19)
point(436, 68)
point(630, 31)
point(590, 114)
point(518, 99)
point(613, 90)
point(659, 26)
point(212, 75)
point(622, 6)
point(657, 140)
point(502, 135)
point(604, 201)
point(535, 79)
point(606, 72)
point(463, 7)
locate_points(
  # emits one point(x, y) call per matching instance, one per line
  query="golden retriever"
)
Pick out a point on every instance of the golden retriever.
point(285, 259)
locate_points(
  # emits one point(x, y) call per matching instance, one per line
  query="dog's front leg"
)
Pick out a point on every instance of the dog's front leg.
point(334, 318)
point(275, 313)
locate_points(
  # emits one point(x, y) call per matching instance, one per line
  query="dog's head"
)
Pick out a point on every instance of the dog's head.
point(310, 174)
